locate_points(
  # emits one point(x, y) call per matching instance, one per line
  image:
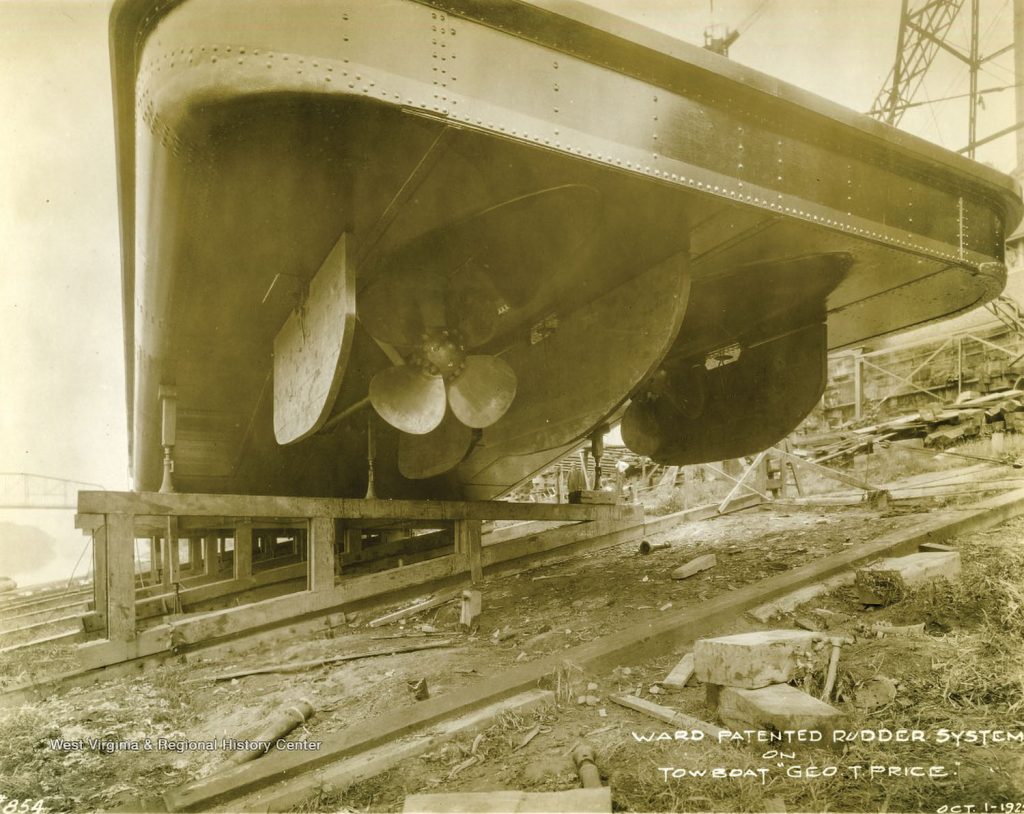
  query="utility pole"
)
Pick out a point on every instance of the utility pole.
point(1018, 74)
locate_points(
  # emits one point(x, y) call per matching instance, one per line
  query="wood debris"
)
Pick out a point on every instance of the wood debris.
point(298, 666)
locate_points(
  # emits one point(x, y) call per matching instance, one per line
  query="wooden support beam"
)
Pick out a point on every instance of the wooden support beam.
point(210, 560)
point(467, 545)
point(151, 605)
point(120, 577)
point(243, 551)
point(742, 482)
point(99, 573)
point(353, 542)
point(193, 554)
point(155, 555)
point(828, 472)
point(180, 503)
point(174, 549)
point(165, 559)
point(419, 607)
point(321, 554)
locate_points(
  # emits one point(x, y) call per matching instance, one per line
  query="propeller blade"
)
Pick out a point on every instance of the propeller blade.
point(483, 392)
point(399, 306)
point(441, 449)
point(408, 399)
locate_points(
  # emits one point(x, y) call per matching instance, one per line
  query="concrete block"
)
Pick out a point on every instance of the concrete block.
point(933, 547)
point(680, 675)
point(777, 707)
point(757, 659)
point(695, 566)
point(887, 581)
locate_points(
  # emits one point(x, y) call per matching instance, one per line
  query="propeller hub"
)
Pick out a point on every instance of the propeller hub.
point(442, 353)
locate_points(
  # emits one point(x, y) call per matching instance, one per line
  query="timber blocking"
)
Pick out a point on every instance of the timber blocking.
point(429, 542)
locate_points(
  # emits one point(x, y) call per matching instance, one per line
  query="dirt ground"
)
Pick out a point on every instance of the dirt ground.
point(964, 672)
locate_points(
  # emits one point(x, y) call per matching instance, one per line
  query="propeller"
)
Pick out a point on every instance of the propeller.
point(451, 291)
point(414, 397)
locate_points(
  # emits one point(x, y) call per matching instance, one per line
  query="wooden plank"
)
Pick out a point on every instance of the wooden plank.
point(419, 607)
point(468, 545)
point(299, 666)
point(70, 637)
point(182, 503)
point(193, 555)
point(211, 562)
point(665, 714)
point(695, 566)
point(401, 547)
point(99, 570)
point(742, 482)
point(826, 471)
point(602, 535)
point(515, 531)
point(99, 654)
point(658, 525)
point(681, 674)
point(88, 522)
point(120, 577)
point(174, 548)
point(69, 620)
point(151, 605)
point(243, 551)
point(233, 621)
point(321, 554)
point(44, 616)
point(155, 550)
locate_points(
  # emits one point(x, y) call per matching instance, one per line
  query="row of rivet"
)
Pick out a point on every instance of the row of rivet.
point(721, 189)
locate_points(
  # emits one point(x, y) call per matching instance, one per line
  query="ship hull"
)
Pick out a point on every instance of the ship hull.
point(706, 207)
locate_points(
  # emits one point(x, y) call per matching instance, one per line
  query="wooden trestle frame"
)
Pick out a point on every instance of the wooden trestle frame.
point(332, 528)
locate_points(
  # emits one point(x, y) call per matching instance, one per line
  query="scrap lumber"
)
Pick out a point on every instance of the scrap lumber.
point(299, 666)
point(695, 566)
point(680, 674)
point(833, 671)
point(593, 497)
point(828, 472)
point(472, 602)
point(412, 610)
point(665, 714)
point(898, 630)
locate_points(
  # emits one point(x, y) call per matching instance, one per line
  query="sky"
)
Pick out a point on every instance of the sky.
point(62, 410)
